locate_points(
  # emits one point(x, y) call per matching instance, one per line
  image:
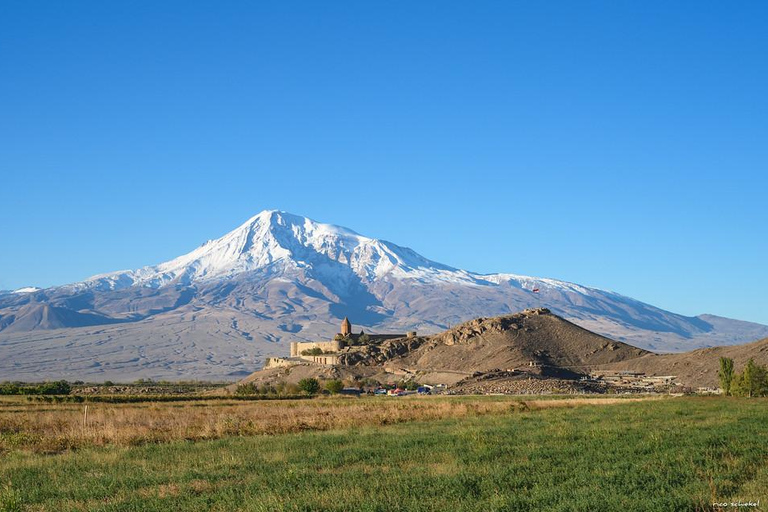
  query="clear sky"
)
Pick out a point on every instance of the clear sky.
point(616, 144)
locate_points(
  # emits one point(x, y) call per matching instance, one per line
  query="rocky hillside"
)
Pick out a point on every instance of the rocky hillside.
point(551, 343)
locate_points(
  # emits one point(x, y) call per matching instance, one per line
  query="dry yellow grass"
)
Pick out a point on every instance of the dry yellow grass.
point(50, 428)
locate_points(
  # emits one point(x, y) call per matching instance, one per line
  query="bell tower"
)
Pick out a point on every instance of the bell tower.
point(346, 327)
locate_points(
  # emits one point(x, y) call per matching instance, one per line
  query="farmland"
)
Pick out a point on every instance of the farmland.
point(467, 453)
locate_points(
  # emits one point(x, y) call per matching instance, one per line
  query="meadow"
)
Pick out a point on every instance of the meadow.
point(467, 453)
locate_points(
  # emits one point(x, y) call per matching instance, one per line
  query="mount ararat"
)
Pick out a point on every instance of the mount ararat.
point(218, 311)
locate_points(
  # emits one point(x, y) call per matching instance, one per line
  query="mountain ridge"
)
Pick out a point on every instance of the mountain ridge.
point(219, 310)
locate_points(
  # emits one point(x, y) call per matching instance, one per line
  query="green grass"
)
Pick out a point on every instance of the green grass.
point(676, 454)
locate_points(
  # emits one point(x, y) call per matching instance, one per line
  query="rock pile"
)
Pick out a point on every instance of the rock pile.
point(518, 383)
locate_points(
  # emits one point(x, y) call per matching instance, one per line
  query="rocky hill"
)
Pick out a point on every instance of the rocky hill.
point(541, 344)
point(532, 339)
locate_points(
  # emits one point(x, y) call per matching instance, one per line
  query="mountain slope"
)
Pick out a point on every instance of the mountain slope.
point(698, 368)
point(218, 310)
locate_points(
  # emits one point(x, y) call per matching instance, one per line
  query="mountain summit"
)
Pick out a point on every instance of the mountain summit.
point(217, 311)
point(282, 242)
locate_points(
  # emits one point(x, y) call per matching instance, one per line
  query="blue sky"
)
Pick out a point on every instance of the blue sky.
point(620, 144)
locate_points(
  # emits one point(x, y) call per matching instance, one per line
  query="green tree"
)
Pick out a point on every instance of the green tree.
point(751, 382)
point(310, 386)
point(60, 387)
point(726, 374)
point(334, 386)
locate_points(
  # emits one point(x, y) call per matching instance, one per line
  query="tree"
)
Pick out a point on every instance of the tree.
point(751, 382)
point(334, 386)
point(310, 386)
point(726, 374)
point(60, 387)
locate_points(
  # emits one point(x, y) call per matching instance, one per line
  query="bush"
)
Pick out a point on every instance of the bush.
point(310, 386)
point(408, 384)
point(334, 386)
point(312, 352)
point(246, 389)
point(60, 387)
point(9, 388)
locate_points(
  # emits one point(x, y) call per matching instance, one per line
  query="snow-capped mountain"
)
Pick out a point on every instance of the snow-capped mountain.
point(217, 311)
point(285, 241)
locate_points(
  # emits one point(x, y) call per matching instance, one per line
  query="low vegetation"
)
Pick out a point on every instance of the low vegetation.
point(278, 389)
point(466, 454)
point(334, 386)
point(310, 386)
point(60, 387)
point(53, 428)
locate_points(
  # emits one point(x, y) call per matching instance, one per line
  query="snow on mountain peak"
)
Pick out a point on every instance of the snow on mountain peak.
point(284, 243)
point(274, 237)
point(27, 289)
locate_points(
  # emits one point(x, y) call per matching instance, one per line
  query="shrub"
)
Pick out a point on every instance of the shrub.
point(310, 386)
point(317, 351)
point(9, 388)
point(60, 387)
point(334, 386)
point(246, 389)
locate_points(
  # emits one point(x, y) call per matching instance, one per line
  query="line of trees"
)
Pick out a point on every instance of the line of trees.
point(59, 387)
point(751, 382)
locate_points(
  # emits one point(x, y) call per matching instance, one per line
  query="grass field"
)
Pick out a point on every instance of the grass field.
point(466, 454)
